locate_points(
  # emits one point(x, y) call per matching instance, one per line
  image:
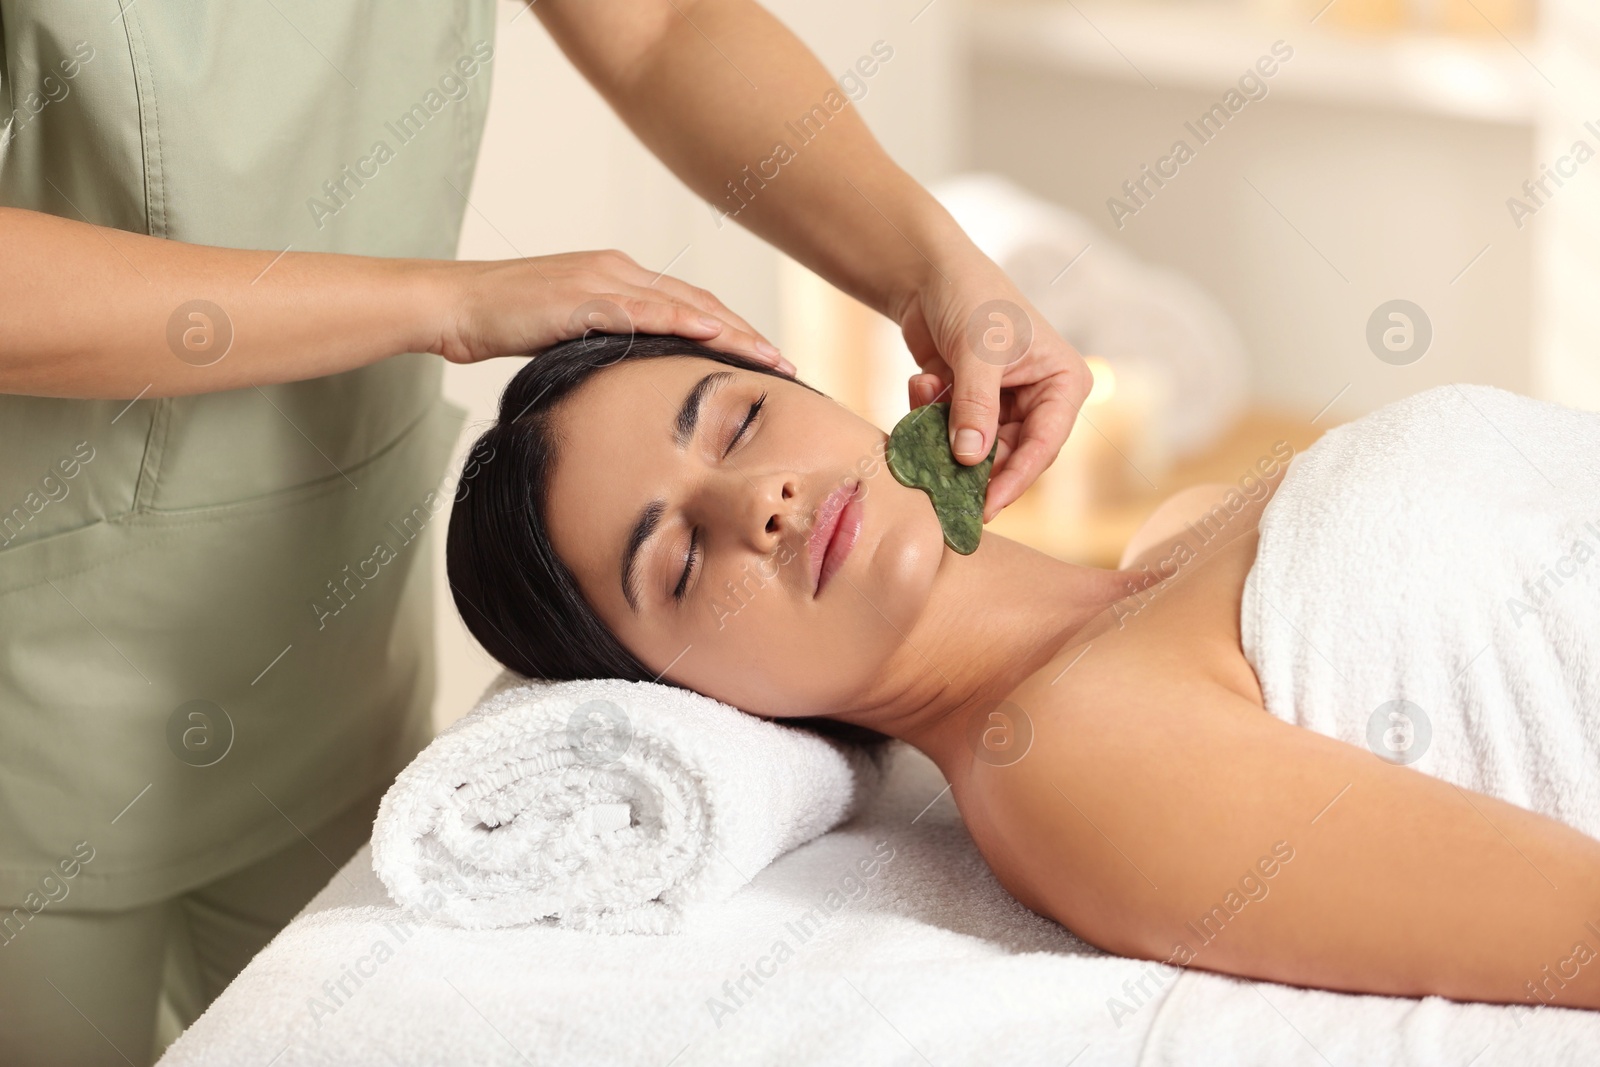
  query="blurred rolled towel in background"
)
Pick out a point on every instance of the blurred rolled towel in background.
point(613, 806)
point(1108, 303)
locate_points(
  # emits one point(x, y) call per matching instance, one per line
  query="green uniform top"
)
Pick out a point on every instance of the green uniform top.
point(215, 610)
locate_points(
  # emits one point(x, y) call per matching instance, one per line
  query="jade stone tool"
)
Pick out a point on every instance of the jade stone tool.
point(919, 456)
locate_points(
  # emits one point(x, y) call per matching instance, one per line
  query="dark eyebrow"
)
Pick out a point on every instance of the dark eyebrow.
point(689, 410)
point(646, 525)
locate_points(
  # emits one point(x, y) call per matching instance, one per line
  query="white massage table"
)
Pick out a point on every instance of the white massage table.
point(930, 963)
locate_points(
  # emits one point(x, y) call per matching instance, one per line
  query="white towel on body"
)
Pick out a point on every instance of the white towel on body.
point(606, 805)
point(1428, 585)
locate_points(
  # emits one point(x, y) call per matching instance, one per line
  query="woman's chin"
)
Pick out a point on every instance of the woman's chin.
point(902, 567)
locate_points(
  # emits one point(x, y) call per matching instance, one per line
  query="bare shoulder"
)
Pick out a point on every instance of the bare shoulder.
point(1158, 814)
point(1208, 510)
point(1062, 813)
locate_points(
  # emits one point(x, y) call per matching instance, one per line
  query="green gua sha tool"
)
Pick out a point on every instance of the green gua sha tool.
point(919, 456)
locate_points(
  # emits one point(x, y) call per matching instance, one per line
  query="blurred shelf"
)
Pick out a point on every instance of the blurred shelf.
point(1098, 537)
point(1205, 47)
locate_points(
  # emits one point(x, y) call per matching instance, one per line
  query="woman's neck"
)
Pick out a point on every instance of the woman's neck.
point(993, 619)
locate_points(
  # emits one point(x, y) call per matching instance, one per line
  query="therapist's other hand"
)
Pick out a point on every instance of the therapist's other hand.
point(1005, 371)
point(517, 306)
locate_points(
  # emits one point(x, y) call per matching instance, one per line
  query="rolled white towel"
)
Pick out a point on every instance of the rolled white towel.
point(620, 807)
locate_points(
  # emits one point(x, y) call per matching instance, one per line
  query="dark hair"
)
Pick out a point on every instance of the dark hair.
point(515, 595)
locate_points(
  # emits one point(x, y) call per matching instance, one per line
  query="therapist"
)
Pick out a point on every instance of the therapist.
point(225, 288)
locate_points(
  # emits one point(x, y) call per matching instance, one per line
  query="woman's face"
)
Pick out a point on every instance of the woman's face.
point(739, 533)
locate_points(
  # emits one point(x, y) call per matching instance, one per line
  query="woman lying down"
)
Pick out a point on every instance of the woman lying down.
point(1379, 696)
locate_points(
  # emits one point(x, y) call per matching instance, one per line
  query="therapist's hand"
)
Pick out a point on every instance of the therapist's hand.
point(517, 306)
point(95, 312)
point(1004, 370)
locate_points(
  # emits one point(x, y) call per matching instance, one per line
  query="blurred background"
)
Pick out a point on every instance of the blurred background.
point(1372, 197)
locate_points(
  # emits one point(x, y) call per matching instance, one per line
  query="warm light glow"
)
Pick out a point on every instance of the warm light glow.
point(1105, 380)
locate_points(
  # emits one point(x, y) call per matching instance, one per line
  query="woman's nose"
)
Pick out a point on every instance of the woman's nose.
point(765, 508)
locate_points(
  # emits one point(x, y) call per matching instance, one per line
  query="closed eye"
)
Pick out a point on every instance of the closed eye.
point(693, 554)
point(688, 564)
point(744, 427)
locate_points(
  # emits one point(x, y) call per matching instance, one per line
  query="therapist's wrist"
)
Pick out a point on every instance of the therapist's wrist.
point(944, 253)
point(425, 296)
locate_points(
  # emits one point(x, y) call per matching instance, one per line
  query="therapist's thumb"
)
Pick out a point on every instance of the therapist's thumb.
point(974, 409)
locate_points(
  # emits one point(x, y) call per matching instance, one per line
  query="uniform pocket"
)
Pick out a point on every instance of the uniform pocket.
point(427, 441)
point(245, 444)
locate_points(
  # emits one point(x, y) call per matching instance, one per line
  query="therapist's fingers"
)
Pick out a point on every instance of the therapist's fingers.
point(706, 301)
point(709, 329)
point(1048, 408)
point(737, 335)
point(923, 389)
point(645, 311)
point(1045, 391)
point(974, 408)
point(1007, 436)
point(926, 388)
point(938, 344)
point(510, 307)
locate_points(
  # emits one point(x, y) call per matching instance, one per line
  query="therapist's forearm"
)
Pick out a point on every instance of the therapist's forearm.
point(85, 311)
point(709, 86)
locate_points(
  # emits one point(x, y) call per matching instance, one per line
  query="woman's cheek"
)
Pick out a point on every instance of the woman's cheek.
point(904, 564)
point(763, 656)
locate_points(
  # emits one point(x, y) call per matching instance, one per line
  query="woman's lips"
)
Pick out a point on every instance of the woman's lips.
point(834, 534)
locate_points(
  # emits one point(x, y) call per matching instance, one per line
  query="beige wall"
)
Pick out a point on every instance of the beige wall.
point(1376, 168)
